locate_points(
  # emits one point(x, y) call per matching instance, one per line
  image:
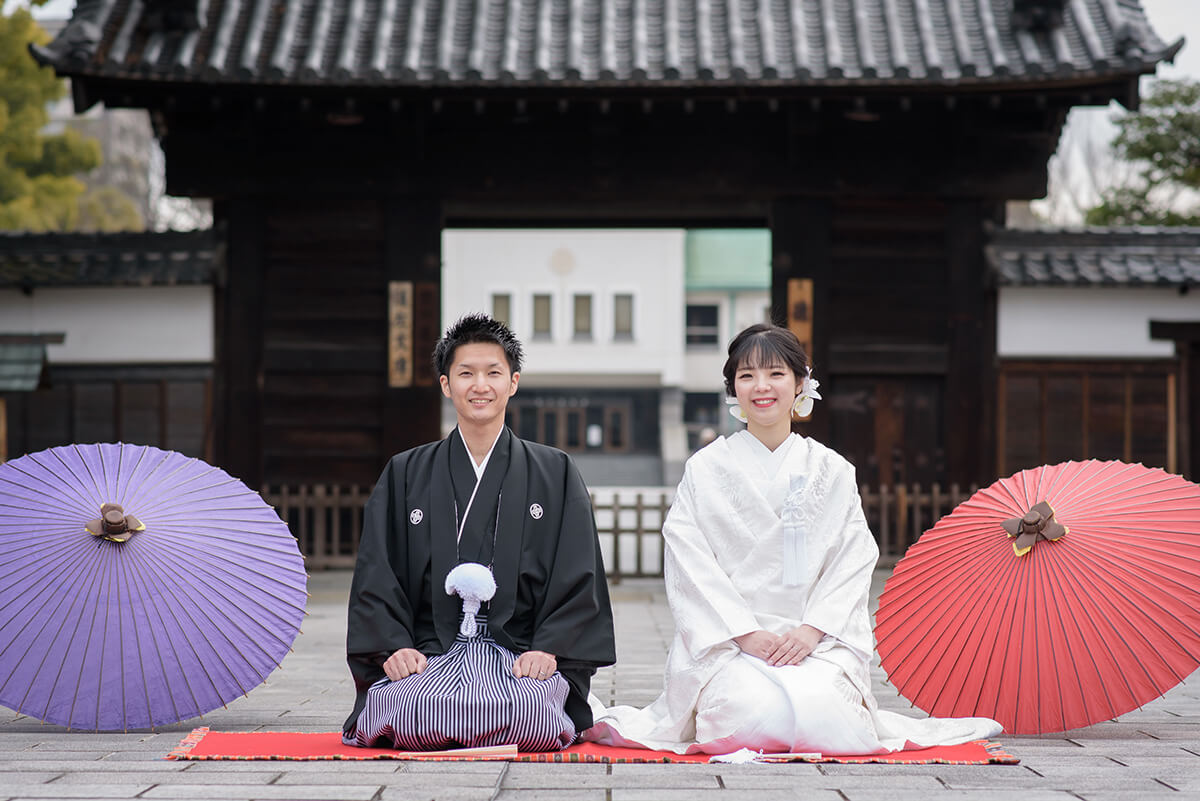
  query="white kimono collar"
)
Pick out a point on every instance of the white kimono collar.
point(479, 468)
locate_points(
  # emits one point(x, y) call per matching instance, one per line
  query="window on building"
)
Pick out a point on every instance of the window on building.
point(541, 317)
point(502, 308)
point(576, 423)
point(549, 425)
point(616, 425)
point(702, 417)
point(702, 325)
point(623, 317)
point(573, 437)
point(583, 316)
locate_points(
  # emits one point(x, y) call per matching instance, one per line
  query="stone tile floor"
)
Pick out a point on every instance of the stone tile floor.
point(1150, 754)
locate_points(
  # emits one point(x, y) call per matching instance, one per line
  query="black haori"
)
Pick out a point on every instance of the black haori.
point(467, 697)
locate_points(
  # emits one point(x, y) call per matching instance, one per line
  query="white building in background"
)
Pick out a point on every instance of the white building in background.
point(728, 287)
point(601, 315)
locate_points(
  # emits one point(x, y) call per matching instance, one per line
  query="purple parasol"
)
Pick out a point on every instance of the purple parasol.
point(183, 593)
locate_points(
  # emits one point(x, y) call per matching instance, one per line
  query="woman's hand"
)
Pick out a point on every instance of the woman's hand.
point(536, 665)
point(404, 663)
point(758, 643)
point(793, 646)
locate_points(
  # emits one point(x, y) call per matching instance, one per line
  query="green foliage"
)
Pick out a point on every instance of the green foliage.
point(107, 208)
point(1162, 139)
point(38, 187)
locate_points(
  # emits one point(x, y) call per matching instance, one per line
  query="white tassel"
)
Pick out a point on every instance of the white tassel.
point(474, 583)
point(793, 534)
point(742, 756)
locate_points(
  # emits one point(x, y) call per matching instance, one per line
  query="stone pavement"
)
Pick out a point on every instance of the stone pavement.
point(1150, 754)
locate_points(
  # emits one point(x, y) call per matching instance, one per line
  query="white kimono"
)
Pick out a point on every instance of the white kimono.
point(760, 539)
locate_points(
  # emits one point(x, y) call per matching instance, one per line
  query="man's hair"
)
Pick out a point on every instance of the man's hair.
point(764, 345)
point(476, 328)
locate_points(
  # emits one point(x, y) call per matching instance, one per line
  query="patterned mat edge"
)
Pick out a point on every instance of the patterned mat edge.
point(186, 745)
point(996, 755)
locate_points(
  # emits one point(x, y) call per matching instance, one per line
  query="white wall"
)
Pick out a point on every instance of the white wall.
point(648, 264)
point(1087, 322)
point(125, 325)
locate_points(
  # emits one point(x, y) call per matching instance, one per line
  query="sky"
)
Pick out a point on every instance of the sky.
point(1084, 162)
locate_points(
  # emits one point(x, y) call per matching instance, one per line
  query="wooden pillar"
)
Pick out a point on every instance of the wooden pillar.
point(413, 258)
point(1189, 406)
point(969, 437)
point(1186, 336)
point(802, 248)
point(238, 375)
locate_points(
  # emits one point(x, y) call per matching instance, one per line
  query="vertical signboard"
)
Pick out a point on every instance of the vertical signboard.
point(800, 311)
point(400, 333)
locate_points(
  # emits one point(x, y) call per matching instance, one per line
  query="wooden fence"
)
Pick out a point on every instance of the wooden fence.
point(899, 515)
point(327, 521)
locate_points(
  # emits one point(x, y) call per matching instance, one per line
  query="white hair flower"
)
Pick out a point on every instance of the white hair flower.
point(736, 410)
point(807, 396)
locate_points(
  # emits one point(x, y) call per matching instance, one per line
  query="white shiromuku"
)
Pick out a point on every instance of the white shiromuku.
point(770, 540)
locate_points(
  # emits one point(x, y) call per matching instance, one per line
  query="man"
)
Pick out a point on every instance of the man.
point(521, 509)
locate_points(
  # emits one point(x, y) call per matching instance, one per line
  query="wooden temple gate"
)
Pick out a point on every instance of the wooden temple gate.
point(339, 139)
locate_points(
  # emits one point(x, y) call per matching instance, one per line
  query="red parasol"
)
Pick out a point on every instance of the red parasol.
point(1055, 598)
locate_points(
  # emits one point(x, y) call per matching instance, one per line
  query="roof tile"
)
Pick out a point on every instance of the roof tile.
point(131, 259)
point(612, 42)
point(1095, 257)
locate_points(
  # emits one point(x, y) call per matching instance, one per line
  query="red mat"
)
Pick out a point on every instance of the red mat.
point(205, 744)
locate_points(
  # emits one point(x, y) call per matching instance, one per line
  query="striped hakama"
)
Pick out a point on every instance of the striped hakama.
point(467, 697)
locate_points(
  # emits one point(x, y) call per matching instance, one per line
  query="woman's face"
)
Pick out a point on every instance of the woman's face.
point(766, 393)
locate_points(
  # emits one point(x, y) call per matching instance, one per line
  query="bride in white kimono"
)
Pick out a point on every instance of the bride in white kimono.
point(768, 570)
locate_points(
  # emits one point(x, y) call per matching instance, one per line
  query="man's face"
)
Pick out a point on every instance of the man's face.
point(479, 383)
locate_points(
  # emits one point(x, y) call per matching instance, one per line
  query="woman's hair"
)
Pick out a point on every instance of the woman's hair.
point(762, 345)
point(475, 328)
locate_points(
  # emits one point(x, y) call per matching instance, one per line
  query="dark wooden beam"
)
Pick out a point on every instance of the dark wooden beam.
point(576, 160)
point(413, 253)
point(238, 303)
point(1186, 336)
point(970, 378)
point(801, 247)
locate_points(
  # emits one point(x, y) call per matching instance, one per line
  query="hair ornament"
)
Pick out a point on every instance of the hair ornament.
point(807, 395)
point(736, 410)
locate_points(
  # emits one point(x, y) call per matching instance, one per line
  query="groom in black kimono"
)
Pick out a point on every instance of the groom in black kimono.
point(480, 495)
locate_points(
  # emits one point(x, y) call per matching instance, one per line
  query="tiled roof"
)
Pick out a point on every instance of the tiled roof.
point(619, 43)
point(132, 259)
point(1096, 257)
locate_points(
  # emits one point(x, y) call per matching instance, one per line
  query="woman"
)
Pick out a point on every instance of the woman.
point(768, 569)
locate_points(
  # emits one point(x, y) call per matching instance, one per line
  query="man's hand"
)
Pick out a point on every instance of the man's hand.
point(403, 663)
point(793, 646)
point(757, 643)
point(536, 665)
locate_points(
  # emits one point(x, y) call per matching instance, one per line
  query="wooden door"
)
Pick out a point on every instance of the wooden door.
point(889, 428)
